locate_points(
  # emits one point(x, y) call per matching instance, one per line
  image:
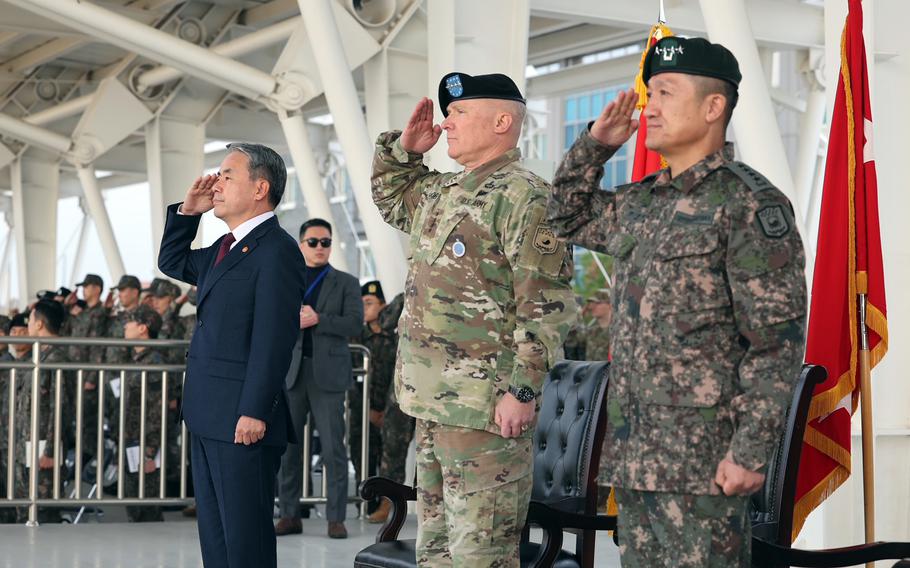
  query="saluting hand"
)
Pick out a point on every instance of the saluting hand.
point(421, 134)
point(199, 196)
point(615, 124)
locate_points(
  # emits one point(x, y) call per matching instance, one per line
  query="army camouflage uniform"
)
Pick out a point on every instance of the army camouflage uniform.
point(117, 355)
point(132, 391)
point(397, 427)
point(488, 303)
point(46, 412)
point(382, 347)
point(598, 342)
point(7, 514)
point(709, 306)
point(92, 322)
point(576, 344)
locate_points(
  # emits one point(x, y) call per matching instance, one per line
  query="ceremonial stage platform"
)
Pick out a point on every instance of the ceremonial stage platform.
point(115, 543)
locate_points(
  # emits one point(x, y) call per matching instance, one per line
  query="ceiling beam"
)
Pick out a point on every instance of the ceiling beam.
point(777, 23)
point(42, 54)
point(269, 13)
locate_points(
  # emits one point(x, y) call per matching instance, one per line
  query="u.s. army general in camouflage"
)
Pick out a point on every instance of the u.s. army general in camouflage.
point(488, 299)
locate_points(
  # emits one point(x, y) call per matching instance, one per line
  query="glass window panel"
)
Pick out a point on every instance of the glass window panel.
point(571, 109)
point(621, 171)
point(584, 108)
point(597, 103)
point(570, 137)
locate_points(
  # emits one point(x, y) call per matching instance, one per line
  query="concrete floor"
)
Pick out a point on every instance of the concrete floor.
point(114, 543)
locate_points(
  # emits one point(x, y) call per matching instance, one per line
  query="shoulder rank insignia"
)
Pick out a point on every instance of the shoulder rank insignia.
point(750, 177)
point(545, 240)
point(773, 221)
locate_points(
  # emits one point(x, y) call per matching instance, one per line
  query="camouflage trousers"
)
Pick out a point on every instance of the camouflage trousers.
point(681, 531)
point(45, 491)
point(473, 489)
point(397, 431)
point(142, 513)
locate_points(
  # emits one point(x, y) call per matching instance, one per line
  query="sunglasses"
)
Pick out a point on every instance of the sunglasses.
point(326, 243)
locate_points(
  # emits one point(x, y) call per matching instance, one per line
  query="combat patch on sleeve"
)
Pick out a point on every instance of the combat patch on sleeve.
point(545, 240)
point(773, 221)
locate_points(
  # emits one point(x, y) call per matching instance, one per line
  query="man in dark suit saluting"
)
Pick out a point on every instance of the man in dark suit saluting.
point(250, 284)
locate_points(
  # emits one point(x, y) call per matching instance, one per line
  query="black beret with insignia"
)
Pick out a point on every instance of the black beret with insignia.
point(461, 86)
point(373, 288)
point(692, 56)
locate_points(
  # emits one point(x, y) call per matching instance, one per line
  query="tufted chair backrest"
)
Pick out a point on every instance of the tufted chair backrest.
point(567, 441)
point(772, 507)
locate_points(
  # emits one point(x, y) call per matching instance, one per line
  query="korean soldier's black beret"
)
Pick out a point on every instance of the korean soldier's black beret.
point(692, 56)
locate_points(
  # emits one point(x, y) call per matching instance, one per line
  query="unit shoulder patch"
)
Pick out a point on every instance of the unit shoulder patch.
point(545, 240)
point(773, 221)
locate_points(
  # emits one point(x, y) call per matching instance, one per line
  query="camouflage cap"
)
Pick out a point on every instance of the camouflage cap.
point(146, 316)
point(91, 279)
point(374, 288)
point(128, 281)
point(161, 287)
point(18, 320)
point(461, 86)
point(600, 296)
point(692, 56)
point(4, 323)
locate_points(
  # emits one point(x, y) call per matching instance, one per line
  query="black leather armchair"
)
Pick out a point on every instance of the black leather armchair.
point(772, 507)
point(567, 443)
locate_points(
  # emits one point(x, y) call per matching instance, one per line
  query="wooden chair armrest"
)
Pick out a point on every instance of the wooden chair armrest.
point(768, 554)
point(399, 494)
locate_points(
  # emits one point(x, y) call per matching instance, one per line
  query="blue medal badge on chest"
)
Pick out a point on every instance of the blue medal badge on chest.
point(454, 87)
point(458, 249)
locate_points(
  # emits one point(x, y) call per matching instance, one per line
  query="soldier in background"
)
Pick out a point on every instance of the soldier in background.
point(128, 292)
point(7, 514)
point(189, 320)
point(142, 323)
point(91, 323)
point(487, 306)
point(597, 331)
point(162, 295)
point(397, 427)
point(575, 346)
point(710, 309)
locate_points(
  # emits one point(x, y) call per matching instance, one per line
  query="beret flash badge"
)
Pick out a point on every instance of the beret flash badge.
point(545, 240)
point(773, 221)
point(454, 87)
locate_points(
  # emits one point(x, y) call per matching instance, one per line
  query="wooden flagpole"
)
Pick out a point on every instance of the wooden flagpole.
point(865, 390)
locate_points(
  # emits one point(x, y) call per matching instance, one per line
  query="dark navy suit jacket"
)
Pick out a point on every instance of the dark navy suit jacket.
point(247, 319)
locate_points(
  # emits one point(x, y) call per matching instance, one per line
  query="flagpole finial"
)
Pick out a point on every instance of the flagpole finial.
point(661, 16)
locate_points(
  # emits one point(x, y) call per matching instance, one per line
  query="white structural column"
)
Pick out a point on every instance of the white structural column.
point(757, 133)
point(34, 134)
point(174, 158)
point(94, 202)
point(84, 227)
point(807, 157)
point(317, 202)
point(476, 37)
point(351, 127)
point(36, 182)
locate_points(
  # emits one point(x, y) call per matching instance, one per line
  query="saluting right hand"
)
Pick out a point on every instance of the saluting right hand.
point(421, 134)
point(615, 124)
point(198, 198)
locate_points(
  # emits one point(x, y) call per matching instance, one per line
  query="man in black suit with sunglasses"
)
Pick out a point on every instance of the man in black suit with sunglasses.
point(319, 376)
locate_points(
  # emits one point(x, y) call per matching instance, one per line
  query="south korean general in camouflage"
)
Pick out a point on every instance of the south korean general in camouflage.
point(488, 299)
point(709, 304)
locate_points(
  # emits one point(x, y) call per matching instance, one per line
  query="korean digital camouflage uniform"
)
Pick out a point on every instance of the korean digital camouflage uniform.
point(91, 322)
point(7, 514)
point(709, 307)
point(132, 392)
point(47, 408)
point(397, 427)
point(382, 346)
point(487, 303)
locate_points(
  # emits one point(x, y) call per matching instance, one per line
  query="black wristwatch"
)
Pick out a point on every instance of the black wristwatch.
point(522, 393)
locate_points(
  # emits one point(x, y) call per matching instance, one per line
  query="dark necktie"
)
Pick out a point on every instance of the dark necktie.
point(226, 243)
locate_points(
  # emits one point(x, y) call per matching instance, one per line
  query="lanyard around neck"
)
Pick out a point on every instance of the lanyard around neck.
point(316, 282)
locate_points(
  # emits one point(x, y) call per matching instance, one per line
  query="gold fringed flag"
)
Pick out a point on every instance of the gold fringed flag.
point(646, 161)
point(848, 262)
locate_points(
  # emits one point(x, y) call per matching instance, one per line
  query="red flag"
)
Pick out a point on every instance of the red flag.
point(848, 262)
point(646, 161)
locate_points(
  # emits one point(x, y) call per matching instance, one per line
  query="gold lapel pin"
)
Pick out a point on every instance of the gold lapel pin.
point(245, 249)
